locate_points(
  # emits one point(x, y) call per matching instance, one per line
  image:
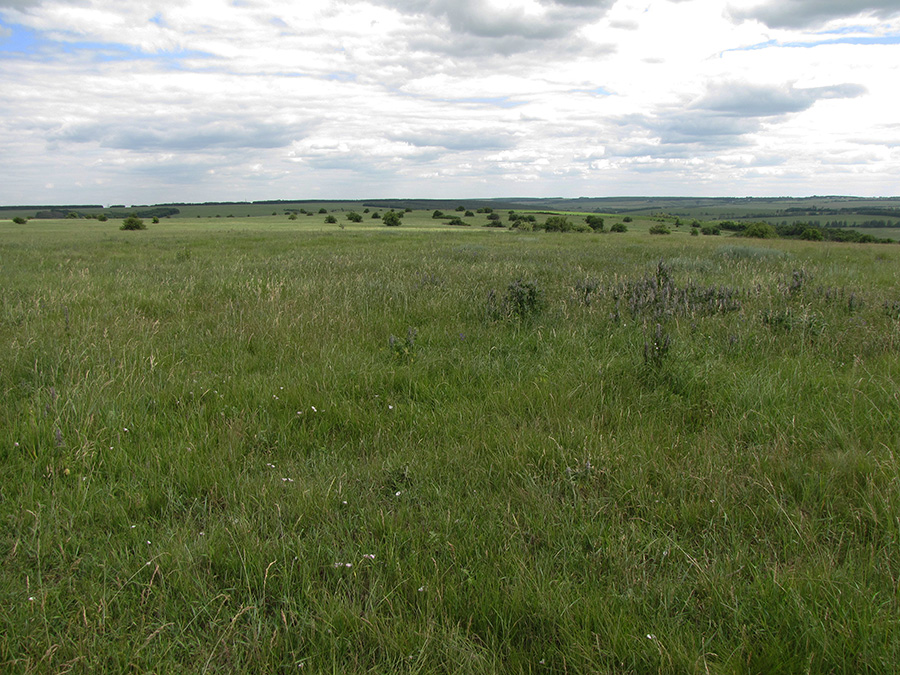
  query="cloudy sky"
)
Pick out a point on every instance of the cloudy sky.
point(137, 101)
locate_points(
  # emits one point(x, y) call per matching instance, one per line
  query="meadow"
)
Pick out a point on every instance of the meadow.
point(263, 445)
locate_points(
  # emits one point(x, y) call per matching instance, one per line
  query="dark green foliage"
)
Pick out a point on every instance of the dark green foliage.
point(323, 210)
point(618, 227)
point(469, 214)
point(460, 208)
point(457, 221)
point(595, 223)
point(354, 217)
point(522, 300)
point(155, 220)
point(293, 216)
point(660, 228)
point(437, 214)
point(760, 231)
point(710, 230)
point(375, 215)
point(133, 223)
point(812, 234)
point(19, 220)
point(330, 219)
point(558, 224)
point(695, 231)
point(391, 219)
point(626, 219)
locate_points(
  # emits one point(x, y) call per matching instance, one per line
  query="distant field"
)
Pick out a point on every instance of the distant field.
point(262, 445)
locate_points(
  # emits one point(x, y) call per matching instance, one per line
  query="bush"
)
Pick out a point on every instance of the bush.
point(460, 208)
point(710, 230)
point(558, 224)
point(522, 300)
point(695, 231)
point(331, 220)
point(102, 218)
point(133, 223)
point(760, 231)
point(354, 217)
point(469, 214)
point(457, 221)
point(660, 228)
point(391, 219)
point(595, 223)
point(437, 214)
point(626, 219)
point(293, 216)
point(812, 234)
point(322, 210)
point(19, 220)
point(618, 227)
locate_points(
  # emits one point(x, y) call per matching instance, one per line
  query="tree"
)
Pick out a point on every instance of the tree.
point(437, 214)
point(391, 219)
point(133, 223)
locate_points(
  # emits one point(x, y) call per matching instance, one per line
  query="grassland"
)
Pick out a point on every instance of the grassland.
point(262, 445)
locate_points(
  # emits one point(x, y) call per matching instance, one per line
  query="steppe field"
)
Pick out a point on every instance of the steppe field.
point(262, 445)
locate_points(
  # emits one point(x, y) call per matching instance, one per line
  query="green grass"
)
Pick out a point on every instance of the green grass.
point(249, 445)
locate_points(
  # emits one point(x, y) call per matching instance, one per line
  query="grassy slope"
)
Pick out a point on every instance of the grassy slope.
point(207, 422)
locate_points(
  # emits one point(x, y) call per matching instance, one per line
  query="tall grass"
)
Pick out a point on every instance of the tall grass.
point(261, 447)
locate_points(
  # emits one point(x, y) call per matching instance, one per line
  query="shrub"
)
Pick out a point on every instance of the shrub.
point(460, 208)
point(469, 214)
point(133, 223)
point(660, 228)
point(155, 220)
point(376, 215)
point(391, 219)
point(595, 223)
point(812, 234)
point(522, 300)
point(331, 220)
point(354, 217)
point(437, 214)
point(760, 231)
point(626, 219)
point(710, 230)
point(557, 224)
point(19, 220)
point(102, 218)
point(322, 210)
point(457, 221)
point(618, 227)
point(293, 216)
point(695, 231)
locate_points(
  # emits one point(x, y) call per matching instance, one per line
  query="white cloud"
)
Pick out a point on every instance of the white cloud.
point(260, 99)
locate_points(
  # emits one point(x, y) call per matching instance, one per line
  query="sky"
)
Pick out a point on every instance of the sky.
point(142, 102)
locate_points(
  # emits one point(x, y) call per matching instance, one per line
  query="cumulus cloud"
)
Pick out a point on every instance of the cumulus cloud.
point(546, 19)
point(803, 13)
point(250, 99)
point(755, 100)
